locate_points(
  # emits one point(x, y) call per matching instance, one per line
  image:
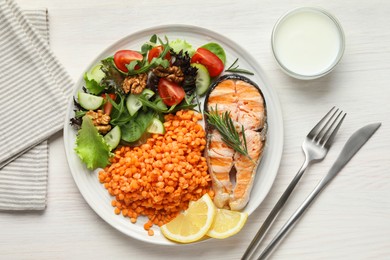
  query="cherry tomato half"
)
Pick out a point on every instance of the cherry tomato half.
point(170, 92)
point(124, 57)
point(156, 51)
point(108, 106)
point(211, 61)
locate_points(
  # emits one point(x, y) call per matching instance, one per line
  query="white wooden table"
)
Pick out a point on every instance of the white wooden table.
point(350, 220)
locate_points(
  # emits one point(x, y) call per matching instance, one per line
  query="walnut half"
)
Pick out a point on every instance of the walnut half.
point(135, 84)
point(172, 73)
point(100, 120)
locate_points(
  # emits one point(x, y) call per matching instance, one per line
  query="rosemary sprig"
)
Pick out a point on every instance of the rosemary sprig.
point(225, 126)
point(237, 70)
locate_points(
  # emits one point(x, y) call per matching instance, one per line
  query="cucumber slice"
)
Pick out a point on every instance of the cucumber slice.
point(113, 137)
point(156, 127)
point(88, 101)
point(202, 79)
point(148, 93)
point(132, 102)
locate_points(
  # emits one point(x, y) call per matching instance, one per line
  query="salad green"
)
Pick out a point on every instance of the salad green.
point(182, 45)
point(91, 147)
point(136, 126)
point(93, 78)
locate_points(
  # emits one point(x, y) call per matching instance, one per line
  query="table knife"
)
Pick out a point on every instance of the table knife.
point(352, 146)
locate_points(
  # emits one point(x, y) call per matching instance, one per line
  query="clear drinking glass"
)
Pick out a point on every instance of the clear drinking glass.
point(307, 42)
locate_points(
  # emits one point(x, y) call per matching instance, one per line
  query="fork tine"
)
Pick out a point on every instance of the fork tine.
point(314, 132)
point(326, 127)
point(328, 141)
point(325, 132)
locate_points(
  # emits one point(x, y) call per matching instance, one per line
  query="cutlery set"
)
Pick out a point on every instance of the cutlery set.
point(315, 147)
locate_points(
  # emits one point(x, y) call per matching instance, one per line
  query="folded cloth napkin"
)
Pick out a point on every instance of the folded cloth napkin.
point(34, 91)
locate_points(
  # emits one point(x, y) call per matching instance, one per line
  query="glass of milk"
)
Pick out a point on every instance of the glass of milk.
point(308, 42)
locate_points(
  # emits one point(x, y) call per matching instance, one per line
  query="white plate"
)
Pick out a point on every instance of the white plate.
point(97, 196)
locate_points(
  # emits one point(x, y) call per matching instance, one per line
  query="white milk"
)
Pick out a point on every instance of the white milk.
point(307, 43)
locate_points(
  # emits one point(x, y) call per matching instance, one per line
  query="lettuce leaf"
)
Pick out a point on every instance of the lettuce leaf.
point(179, 44)
point(91, 147)
point(93, 77)
point(92, 86)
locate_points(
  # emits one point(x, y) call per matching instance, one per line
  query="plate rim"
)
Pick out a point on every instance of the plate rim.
point(271, 95)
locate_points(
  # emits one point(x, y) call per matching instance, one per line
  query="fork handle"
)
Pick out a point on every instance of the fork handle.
point(294, 218)
point(274, 212)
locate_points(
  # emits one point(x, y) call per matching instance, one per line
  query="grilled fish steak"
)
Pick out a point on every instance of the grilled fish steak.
point(232, 173)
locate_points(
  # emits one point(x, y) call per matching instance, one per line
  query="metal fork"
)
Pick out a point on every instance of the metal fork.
point(315, 147)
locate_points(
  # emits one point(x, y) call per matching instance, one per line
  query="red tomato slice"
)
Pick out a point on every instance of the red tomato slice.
point(156, 51)
point(108, 106)
point(211, 61)
point(124, 57)
point(170, 92)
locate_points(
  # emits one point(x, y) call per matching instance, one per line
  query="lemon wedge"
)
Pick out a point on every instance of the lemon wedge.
point(192, 224)
point(227, 223)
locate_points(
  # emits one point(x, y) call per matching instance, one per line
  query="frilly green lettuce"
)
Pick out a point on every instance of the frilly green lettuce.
point(91, 147)
point(93, 78)
point(179, 44)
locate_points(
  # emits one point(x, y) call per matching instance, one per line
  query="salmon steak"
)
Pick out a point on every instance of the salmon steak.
point(232, 173)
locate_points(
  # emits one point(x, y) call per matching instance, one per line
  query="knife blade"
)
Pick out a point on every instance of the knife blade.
point(351, 147)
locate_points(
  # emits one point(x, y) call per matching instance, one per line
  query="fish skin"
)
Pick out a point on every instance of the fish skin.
point(247, 108)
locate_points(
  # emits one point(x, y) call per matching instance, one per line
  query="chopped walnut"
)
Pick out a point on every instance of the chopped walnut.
point(100, 120)
point(135, 84)
point(103, 129)
point(172, 73)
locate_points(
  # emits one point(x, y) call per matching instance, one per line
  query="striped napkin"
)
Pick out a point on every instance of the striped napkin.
point(34, 92)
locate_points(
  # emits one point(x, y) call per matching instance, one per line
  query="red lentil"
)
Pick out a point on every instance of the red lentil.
point(159, 178)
